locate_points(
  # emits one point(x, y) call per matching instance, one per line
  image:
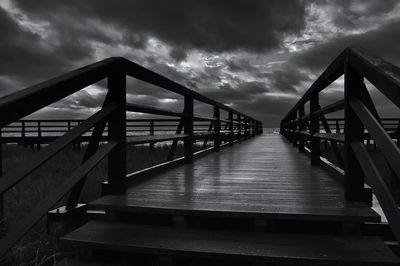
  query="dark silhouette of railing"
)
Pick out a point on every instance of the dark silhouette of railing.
point(360, 117)
point(36, 132)
point(13, 107)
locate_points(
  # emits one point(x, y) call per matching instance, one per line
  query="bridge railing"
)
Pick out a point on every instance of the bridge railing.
point(40, 131)
point(360, 117)
point(15, 106)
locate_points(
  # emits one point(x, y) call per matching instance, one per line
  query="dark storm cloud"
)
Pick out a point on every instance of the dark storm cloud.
point(287, 79)
point(209, 25)
point(243, 91)
point(348, 13)
point(178, 54)
point(241, 65)
point(27, 58)
point(382, 42)
point(268, 109)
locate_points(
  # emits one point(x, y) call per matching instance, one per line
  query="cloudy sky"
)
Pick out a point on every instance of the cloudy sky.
point(258, 57)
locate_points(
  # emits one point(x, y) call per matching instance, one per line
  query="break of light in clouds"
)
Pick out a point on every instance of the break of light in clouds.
point(256, 56)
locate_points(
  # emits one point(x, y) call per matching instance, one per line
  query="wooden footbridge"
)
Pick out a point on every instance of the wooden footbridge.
point(249, 198)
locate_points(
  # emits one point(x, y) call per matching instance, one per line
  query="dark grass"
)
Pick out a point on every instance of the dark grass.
point(39, 247)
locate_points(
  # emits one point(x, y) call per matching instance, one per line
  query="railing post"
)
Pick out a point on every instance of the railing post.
point(246, 128)
point(295, 136)
point(217, 129)
point(39, 135)
point(23, 133)
point(301, 127)
point(231, 133)
point(151, 128)
point(314, 128)
point(188, 129)
point(151, 132)
point(337, 126)
point(117, 132)
point(398, 133)
point(353, 131)
point(239, 128)
point(2, 222)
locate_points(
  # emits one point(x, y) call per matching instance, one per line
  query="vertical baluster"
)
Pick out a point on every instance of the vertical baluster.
point(217, 128)
point(301, 127)
point(39, 135)
point(151, 132)
point(23, 133)
point(354, 131)
point(246, 132)
point(188, 129)
point(117, 132)
point(239, 128)
point(398, 133)
point(231, 132)
point(337, 126)
point(314, 128)
point(1, 174)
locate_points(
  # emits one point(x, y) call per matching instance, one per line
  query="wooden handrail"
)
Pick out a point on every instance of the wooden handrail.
point(17, 174)
point(15, 106)
point(22, 103)
point(359, 115)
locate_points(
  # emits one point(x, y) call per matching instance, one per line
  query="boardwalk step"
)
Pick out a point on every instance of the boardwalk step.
point(349, 212)
point(288, 248)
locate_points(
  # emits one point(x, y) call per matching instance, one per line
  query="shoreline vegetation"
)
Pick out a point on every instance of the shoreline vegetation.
point(39, 247)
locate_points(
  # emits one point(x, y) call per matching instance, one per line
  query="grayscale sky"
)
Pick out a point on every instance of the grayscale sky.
point(256, 56)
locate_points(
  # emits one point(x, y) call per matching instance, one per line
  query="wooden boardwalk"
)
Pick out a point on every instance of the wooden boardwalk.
point(264, 177)
point(259, 201)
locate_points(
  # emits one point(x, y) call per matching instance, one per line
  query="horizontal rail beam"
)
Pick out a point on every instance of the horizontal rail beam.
point(16, 175)
point(144, 74)
point(22, 103)
point(336, 106)
point(384, 75)
point(389, 149)
point(331, 73)
point(150, 110)
point(382, 192)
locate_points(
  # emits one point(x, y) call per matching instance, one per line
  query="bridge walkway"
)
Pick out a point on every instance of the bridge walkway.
point(258, 201)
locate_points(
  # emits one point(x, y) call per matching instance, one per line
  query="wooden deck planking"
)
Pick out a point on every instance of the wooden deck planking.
point(256, 246)
point(261, 177)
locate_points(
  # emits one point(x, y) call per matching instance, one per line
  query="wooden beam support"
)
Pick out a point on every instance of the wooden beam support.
point(231, 134)
point(217, 129)
point(301, 127)
point(353, 132)
point(314, 128)
point(117, 133)
point(188, 129)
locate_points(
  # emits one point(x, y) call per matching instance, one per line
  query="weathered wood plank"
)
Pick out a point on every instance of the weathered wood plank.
point(263, 247)
point(274, 182)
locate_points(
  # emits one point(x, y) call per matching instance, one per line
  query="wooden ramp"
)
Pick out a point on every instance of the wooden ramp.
point(263, 177)
point(257, 202)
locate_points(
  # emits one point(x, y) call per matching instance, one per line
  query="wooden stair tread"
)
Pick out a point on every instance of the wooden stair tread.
point(228, 244)
point(352, 212)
